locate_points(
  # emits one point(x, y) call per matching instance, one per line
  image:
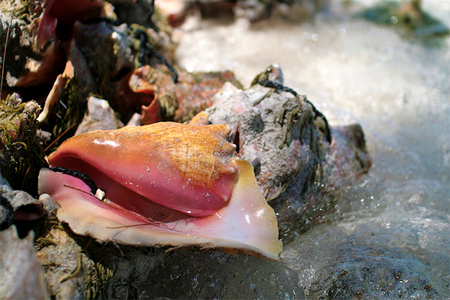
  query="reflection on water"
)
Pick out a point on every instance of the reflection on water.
point(398, 90)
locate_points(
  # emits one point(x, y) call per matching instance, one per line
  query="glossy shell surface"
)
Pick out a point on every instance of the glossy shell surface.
point(246, 224)
point(183, 167)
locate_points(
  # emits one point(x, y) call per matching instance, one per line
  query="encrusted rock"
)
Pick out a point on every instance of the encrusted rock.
point(274, 130)
point(69, 272)
point(299, 163)
point(153, 92)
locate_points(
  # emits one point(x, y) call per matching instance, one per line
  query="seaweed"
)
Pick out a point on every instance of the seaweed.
point(21, 155)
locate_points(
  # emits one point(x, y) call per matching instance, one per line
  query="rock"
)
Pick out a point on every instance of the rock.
point(17, 205)
point(292, 10)
point(153, 92)
point(6, 213)
point(394, 254)
point(69, 273)
point(21, 273)
point(148, 273)
point(274, 130)
point(347, 158)
point(288, 143)
point(392, 275)
point(408, 17)
point(100, 116)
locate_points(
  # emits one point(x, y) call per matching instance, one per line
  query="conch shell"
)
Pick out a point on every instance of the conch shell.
point(165, 184)
point(172, 164)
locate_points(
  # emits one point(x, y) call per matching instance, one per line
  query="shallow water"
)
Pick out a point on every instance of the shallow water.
point(399, 91)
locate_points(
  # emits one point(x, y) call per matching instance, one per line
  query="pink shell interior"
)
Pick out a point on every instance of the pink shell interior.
point(246, 222)
point(163, 186)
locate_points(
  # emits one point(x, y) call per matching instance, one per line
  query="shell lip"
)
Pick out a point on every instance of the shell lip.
point(227, 229)
point(160, 213)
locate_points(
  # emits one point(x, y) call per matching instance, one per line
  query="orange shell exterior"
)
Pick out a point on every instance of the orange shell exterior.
point(192, 149)
point(184, 167)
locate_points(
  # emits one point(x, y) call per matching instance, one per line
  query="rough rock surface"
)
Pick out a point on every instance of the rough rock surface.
point(69, 273)
point(149, 273)
point(20, 271)
point(274, 130)
point(288, 143)
point(99, 116)
point(17, 205)
point(361, 258)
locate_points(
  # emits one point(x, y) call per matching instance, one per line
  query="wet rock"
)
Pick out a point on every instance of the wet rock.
point(21, 273)
point(347, 158)
point(392, 275)
point(191, 274)
point(288, 143)
point(392, 255)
